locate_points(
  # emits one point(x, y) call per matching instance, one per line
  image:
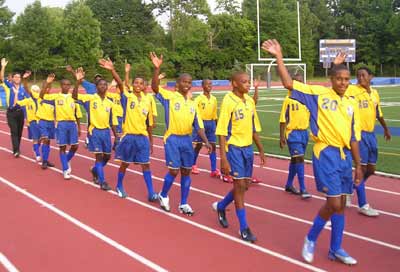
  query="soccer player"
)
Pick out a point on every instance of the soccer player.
point(335, 131)
point(294, 120)
point(15, 113)
point(206, 105)
point(101, 112)
point(237, 127)
point(135, 143)
point(180, 118)
point(66, 120)
point(370, 110)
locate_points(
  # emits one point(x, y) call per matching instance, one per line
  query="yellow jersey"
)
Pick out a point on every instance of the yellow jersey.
point(238, 120)
point(369, 105)
point(65, 106)
point(206, 107)
point(116, 99)
point(180, 113)
point(100, 111)
point(295, 115)
point(45, 111)
point(152, 101)
point(30, 108)
point(334, 119)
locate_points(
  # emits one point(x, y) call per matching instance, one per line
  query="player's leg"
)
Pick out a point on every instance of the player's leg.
point(187, 155)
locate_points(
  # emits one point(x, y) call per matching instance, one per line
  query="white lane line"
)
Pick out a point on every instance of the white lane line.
point(85, 227)
point(7, 264)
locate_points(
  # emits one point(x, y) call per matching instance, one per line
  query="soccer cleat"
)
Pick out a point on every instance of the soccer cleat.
point(227, 178)
point(368, 211)
point(104, 186)
point(164, 203)
point(308, 250)
point(348, 200)
point(38, 159)
point(49, 164)
point(292, 190)
point(342, 256)
point(255, 180)
point(121, 192)
point(186, 209)
point(215, 174)
point(69, 170)
point(153, 198)
point(66, 175)
point(195, 170)
point(95, 177)
point(221, 215)
point(44, 165)
point(305, 195)
point(247, 235)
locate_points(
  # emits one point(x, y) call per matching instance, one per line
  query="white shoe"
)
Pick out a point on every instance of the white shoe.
point(69, 170)
point(348, 200)
point(164, 203)
point(342, 256)
point(186, 209)
point(38, 159)
point(66, 175)
point(308, 250)
point(368, 211)
point(215, 206)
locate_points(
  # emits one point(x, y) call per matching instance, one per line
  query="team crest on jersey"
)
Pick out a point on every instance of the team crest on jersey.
point(350, 111)
point(60, 102)
point(108, 109)
point(177, 106)
point(145, 112)
point(192, 110)
point(72, 105)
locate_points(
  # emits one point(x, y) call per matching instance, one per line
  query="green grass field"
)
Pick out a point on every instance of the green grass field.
point(269, 107)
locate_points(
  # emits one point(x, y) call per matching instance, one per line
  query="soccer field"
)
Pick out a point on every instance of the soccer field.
point(269, 107)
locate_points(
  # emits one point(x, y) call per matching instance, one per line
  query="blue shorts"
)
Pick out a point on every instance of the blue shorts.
point(133, 149)
point(368, 148)
point(209, 129)
point(297, 142)
point(67, 133)
point(179, 152)
point(34, 131)
point(241, 161)
point(119, 127)
point(333, 175)
point(47, 129)
point(100, 141)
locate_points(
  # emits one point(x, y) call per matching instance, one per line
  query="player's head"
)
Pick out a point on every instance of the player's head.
point(101, 86)
point(184, 83)
point(138, 85)
point(97, 77)
point(16, 78)
point(364, 76)
point(207, 85)
point(298, 77)
point(240, 82)
point(340, 78)
point(65, 85)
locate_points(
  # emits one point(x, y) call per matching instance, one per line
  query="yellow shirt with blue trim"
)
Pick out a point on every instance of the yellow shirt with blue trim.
point(238, 120)
point(152, 101)
point(45, 111)
point(30, 108)
point(116, 99)
point(334, 119)
point(295, 115)
point(180, 113)
point(207, 107)
point(12, 94)
point(137, 114)
point(65, 106)
point(100, 111)
point(369, 105)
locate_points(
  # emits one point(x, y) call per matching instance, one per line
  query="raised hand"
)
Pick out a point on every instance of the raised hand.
point(69, 68)
point(256, 83)
point(106, 64)
point(50, 78)
point(157, 61)
point(4, 62)
point(127, 67)
point(161, 76)
point(79, 74)
point(113, 83)
point(273, 47)
point(340, 58)
point(27, 74)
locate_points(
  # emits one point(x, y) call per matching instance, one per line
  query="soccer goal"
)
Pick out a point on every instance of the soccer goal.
point(268, 75)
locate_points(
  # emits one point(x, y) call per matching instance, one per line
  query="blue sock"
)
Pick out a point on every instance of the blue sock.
point(121, 176)
point(70, 155)
point(213, 160)
point(292, 173)
point(64, 162)
point(241, 214)
point(337, 231)
point(317, 227)
point(300, 175)
point(99, 170)
point(149, 182)
point(168, 180)
point(195, 156)
point(45, 152)
point(185, 188)
point(361, 196)
point(225, 201)
point(36, 149)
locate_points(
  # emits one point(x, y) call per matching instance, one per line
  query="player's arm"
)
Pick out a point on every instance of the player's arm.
point(379, 116)
point(108, 65)
point(78, 123)
point(46, 85)
point(256, 84)
point(157, 61)
point(71, 70)
point(355, 153)
point(25, 78)
point(79, 76)
point(282, 123)
point(127, 74)
point(199, 127)
point(4, 63)
point(222, 132)
point(257, 141)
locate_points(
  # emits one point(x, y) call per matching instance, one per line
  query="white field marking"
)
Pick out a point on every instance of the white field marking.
point(283, 215)
point(7, 264)
point(85, 227)
point(269, 111)
point(268, 105)
point(392, 120)
point(179, 218)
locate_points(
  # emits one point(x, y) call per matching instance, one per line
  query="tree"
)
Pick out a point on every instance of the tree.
point(5, 23)
point(229, 6)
